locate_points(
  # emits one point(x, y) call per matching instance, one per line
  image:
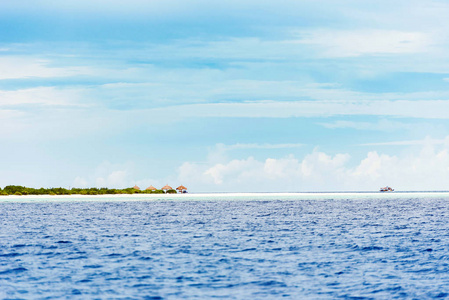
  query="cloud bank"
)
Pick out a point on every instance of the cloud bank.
point(424, 168)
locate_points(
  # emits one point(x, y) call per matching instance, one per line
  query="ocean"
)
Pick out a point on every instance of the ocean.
point(226, 246)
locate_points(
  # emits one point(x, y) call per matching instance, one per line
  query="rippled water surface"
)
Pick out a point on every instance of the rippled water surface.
point(244, 247)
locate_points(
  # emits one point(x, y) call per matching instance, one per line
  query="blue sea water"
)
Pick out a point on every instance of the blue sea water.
point(310, 246)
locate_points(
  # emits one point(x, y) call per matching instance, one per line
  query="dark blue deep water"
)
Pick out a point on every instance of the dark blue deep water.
point(242, 248)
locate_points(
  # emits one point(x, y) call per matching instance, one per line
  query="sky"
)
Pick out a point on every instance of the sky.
point(225, 96)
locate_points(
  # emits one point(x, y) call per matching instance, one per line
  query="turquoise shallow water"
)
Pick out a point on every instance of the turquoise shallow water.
point(258, 246)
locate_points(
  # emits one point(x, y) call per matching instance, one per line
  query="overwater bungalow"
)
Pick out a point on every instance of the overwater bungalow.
point(181, 189)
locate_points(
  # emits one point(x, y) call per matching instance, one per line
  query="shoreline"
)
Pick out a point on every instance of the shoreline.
point(192, 196)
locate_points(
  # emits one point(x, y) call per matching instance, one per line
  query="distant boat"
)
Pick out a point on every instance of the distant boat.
point(386, 189)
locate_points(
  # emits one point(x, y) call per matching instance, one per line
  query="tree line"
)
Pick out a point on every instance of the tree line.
point(23, 190)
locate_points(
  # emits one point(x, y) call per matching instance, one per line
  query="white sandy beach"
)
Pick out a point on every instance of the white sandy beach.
point(230, 196)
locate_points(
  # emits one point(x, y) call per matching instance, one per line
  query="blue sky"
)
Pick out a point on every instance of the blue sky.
point(225, 96)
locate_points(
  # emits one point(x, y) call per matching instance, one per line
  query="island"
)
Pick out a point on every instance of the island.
point(19, 190)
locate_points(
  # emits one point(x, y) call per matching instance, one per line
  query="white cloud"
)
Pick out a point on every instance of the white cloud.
point(432, 109)
point(346, 43)
point(80, 182)
point(424, 142)
point(241, 169)
point(114, 178)
point(424, 169)
point(49, 96)
point(285, 174)
point(14, 67)
point(259, 146)
point(114, 175)
point(374, 165)
point(381, 125)
point(108, 175)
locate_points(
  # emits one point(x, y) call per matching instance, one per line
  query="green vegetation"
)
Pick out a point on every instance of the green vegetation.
point(22, 190)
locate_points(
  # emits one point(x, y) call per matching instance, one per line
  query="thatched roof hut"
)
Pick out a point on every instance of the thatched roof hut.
point(136, 187)
point(181, 188)
point(166, 188)
point(151, 188)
